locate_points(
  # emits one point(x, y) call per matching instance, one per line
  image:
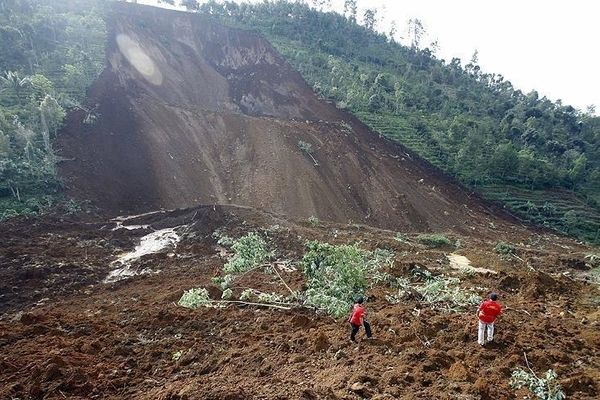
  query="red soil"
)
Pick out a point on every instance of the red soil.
point(88, 339)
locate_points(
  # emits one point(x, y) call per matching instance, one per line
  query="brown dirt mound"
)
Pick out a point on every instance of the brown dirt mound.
point(190, 112)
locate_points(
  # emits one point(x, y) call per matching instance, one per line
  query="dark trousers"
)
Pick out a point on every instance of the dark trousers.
point(355, 329)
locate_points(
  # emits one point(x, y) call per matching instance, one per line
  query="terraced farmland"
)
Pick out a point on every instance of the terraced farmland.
point(556, 208)
point(397, 128)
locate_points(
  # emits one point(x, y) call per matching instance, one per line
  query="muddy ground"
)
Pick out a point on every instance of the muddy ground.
point(66, 334)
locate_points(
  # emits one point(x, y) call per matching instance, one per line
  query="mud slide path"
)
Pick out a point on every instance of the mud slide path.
point(190, 112)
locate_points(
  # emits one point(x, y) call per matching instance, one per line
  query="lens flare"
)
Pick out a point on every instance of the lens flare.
point(139, 59)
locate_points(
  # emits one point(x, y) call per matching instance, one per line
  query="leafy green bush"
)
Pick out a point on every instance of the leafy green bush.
point(305, 147)
point(249, 251)
point(399, 237)
point(313, 221)
point(224, 281)
point(546, 388)
point(336, 274)
point(434, 240)
point(194, 298)
point(505, 249)
point(227, 293)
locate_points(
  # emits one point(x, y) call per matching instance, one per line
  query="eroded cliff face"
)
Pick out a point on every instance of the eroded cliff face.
point(191, 112)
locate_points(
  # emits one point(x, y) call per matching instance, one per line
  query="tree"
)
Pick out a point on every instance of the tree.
point(52, 115)
point(570, 220)
point(577, 171)
point(350, 8)
point(415, 32)
point(504, 160)
point(370, 18)
point(393, 31)
point(74, 80)
point(190, 4)
point(14, 81)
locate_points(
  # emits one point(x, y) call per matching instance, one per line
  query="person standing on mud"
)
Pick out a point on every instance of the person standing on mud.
point(487, 312)
point(357, 318)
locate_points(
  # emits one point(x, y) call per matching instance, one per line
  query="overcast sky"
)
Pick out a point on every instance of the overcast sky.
point(547, 45)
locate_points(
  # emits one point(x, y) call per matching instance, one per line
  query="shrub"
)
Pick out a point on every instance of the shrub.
point(194, 298)
point(227, 293)
point(246, 294)
point(224, 281)
point(313, 221)
point(505, 249)
point(399, 237)
point(249, 251)
point(305, 147)
point(336, 274)
point(434, 240)
point(546, 388)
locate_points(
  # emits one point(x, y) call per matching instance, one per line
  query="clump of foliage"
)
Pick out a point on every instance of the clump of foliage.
point(440, 292)
point(249, 251)
point(399, 237)
point(227, 293)
point(307, 149)
point(593, 260)
point(546, 388)
point(337, 273)
point(434, 240)
point(334, 275)
point(50, 53)
point(195, 298)
point(313, 221)
point(176, 355)
point(505, 249)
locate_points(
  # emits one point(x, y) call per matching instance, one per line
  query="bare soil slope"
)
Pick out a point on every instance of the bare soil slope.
point(190, 112)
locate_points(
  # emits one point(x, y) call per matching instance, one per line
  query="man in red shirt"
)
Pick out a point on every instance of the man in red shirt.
point(357, 318)
point(488, 311)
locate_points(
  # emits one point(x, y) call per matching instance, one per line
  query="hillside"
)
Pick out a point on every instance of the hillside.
point(190, 112)
point(472, 124)
point(239, 216)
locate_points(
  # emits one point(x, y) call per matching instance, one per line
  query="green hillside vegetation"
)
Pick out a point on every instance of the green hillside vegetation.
point(50, 52)
point(539, 158)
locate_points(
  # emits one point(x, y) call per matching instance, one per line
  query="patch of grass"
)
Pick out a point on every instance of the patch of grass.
point(313, 221)
point(434, 240)
point(177, 355)
point(595, 274)
point(399, 237)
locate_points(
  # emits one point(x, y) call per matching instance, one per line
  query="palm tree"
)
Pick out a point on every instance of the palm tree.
point(13, 80)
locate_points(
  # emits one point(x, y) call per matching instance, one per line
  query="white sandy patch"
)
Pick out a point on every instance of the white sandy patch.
point(152, 243)
point(462, 263)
